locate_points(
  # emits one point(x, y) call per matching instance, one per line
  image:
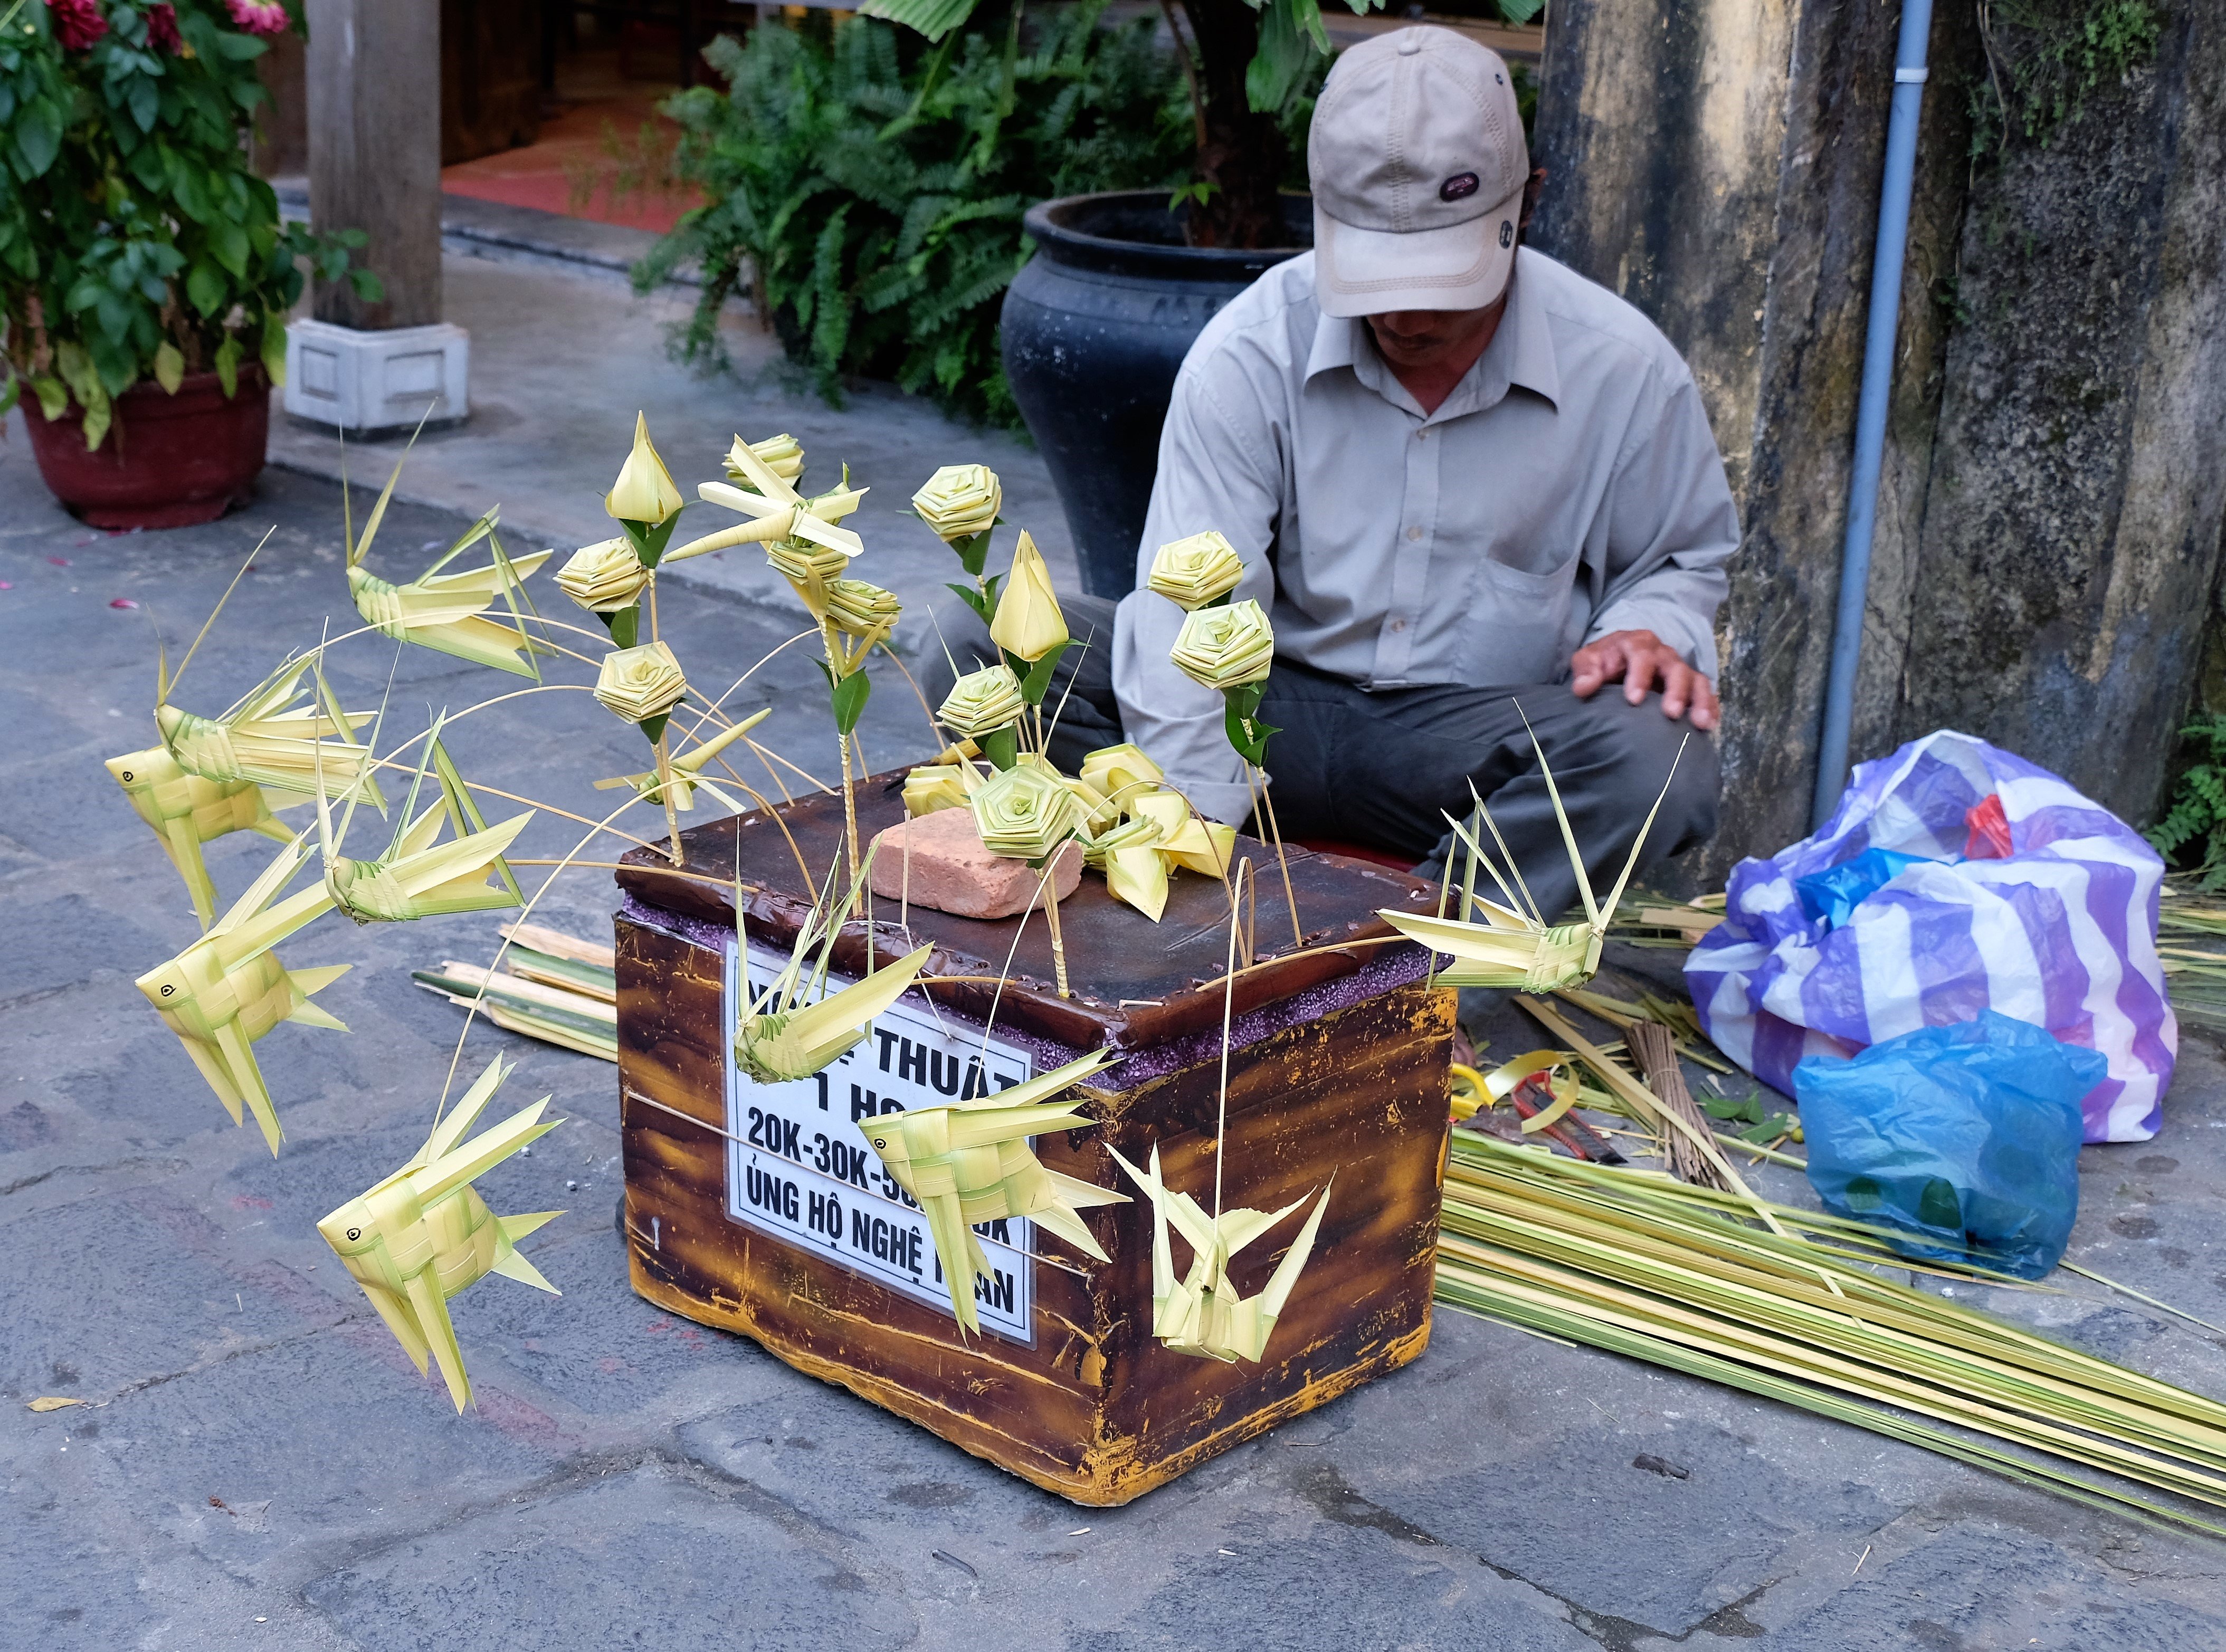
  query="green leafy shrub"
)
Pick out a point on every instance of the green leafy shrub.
point(2045, 59)
point(874, 190)
point(134, 242)
point(2197, 815)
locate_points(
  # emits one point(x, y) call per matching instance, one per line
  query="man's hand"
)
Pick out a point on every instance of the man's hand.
point(1642, 660)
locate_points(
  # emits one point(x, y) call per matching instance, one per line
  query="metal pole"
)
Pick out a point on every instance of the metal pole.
point(1870, 410)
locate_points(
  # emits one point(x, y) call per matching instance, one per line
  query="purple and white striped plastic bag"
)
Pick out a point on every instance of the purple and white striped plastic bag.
point(2061, 932)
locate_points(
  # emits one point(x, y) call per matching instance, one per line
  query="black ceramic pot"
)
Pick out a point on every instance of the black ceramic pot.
point(1095, 327)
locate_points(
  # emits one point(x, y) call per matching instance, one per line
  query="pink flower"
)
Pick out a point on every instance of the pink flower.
point(162, 27)
point(257, 17)
point(77, 23)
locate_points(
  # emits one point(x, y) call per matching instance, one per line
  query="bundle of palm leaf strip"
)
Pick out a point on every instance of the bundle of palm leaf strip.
point(556, 988)
point(1649, 919)
point(1684, 1278)
point(2192, 944)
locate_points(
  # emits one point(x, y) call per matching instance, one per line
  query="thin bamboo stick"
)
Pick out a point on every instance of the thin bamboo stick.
point(1656, 1050)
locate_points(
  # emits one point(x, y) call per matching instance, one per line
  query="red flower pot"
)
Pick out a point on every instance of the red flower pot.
point(168, 461)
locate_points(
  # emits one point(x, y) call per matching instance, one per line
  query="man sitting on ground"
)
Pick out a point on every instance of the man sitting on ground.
point(1470, 486)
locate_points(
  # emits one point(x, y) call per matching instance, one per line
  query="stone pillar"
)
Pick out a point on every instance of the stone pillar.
point(2049, 521)
point(374, 98)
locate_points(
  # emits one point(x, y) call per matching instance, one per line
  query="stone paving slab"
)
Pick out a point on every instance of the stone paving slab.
point(627, 1478)
point(561, 358)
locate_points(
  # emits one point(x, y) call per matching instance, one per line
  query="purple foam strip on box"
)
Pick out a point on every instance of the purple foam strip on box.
point(1393, 966)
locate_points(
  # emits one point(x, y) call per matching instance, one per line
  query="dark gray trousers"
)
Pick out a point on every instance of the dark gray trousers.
point(1384, 769)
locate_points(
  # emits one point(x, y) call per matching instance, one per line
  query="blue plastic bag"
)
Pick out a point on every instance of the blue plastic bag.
point(1968, 1136)
point(1831, 896)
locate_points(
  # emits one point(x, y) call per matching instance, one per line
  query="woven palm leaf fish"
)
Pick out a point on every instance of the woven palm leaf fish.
point(423, 1234)
point(1201, 1313)
point(187, 810)
point(1512, 945)
point(418, 876)
point(688, 770)
point(268, 739)
point(969, 1161)
point(228, 988)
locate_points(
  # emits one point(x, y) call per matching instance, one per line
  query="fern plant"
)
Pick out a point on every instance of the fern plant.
point(2197, 814)
point(872, 190)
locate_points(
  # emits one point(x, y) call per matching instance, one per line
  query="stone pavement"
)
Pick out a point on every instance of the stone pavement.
point(563, 353)
point(258, 1466)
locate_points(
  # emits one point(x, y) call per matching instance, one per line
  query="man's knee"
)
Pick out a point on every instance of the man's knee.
point(1652, 755)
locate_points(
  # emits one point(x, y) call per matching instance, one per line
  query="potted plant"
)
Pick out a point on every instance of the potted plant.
point(144, 274)
point(1095, 327)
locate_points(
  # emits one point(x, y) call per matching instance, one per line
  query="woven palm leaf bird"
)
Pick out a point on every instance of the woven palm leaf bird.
point(776, 515)
point(423, 1234)
point(969, 1161)
point(1201, 1313)
point(688, 770)
point(228, 988)
point(448, 611)
point(418, 876)
point(265, 738)
point(1512, 945)
point(778, 1041)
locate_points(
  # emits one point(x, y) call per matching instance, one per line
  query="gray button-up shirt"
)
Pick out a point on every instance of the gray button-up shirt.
point(1568, 488)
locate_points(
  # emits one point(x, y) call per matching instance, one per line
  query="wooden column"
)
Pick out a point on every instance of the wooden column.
point(374, 94)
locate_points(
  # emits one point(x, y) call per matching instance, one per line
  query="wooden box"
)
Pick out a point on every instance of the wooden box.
point(773, 1221)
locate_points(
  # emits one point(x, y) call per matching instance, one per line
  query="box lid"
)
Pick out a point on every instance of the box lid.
point(1134, 982)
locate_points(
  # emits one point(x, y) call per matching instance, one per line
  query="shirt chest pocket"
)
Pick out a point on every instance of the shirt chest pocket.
point(1517, 624)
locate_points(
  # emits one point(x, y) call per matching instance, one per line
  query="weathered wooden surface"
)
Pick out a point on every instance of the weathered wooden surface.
point(1136, 983)
point(1096, 1409)
point(490, 77)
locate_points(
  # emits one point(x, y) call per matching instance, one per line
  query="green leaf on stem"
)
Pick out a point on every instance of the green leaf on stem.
point(973, 551)
point(933, 18)
point(649, 540)
point(973, 599)
point(625, 625)
point(228, 241)
point(274, 346)
point(38, 136)
point(850, 700)
point(1001, 747)
point(227, 364)
point(1036, 679)
point(1240, 717)
point(204, 287)
point(1291, 37)
point(170, 367)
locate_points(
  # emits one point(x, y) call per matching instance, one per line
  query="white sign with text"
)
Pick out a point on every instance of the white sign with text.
point(798, 1168)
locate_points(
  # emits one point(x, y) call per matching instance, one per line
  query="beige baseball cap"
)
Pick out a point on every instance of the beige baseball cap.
point(1418, 163)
